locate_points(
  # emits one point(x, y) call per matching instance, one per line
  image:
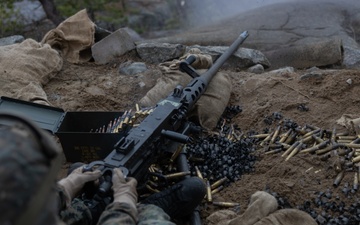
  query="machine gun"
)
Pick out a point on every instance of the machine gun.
point(166, 125)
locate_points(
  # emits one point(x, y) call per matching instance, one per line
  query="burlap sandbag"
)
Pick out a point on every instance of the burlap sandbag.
point(262, 210)
point(73, 37)
point(209, 108)
point(25, 68)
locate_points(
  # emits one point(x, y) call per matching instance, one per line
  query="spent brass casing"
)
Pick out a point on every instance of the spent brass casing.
point(315, 148)
point(352, 145)
point(274, 151)
point(307, 139)
point(176, 153)
point(152, 189)
point(356, 180)
point(275, 135)
point(226, 204)
point(176, 175)
point(312, 127)
point(356, 159)
point(346, 137)
point(259, 136)
point(317, 139)
point(266, 139)
point(284, 136)
point(291, 138)
point(327, 149)
point(338, 178)
point(219, 182)
point(290, 149)
point(295, 151)
point(208, 192)
point(216, 190)
point(356, 141)
point(198, 172)
point(333, 136)
point(311, 133)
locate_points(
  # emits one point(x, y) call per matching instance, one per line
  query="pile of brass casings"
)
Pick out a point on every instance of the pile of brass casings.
point(320, 142)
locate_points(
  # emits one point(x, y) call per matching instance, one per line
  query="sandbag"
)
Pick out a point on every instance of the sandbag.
point(287, 217)
point(209, 108)
point(262, 210)
point(73, 37)
point(25, 68)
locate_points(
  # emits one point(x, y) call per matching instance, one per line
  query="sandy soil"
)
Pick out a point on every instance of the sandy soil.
point(312, 97)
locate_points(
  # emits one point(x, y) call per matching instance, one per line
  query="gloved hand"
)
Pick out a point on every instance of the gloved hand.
point(124, 189)
point(76, 180)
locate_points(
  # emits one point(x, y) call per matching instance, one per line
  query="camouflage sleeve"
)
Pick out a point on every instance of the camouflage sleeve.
point(61, 198)
point(117, 213)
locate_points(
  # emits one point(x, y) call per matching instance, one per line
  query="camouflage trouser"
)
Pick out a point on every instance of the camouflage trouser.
point(79, 214)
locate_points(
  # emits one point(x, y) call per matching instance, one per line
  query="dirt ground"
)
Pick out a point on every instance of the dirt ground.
point(308, 97)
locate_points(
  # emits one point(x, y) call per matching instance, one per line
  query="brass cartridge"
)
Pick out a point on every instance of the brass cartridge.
point(316, 147)
point(290, 149)
point(216, 190)
point(176, 175)
point(295, 151)
point(274, 151)
point(226, 204)
point(208, 192)
point(318, 139)
point(338, 178)
point(356, 180)
point(327, 149)
point(311, 133)
point(198, 172)
point(219, 182)
point(276, 133)
point(284, 136)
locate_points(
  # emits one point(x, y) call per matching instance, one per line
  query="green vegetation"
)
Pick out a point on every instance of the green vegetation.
point(8, 18)
point(109, 11)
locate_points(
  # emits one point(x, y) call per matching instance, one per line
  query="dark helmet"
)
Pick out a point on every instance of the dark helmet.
point(29, 163)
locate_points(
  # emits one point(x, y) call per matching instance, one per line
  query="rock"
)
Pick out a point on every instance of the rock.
point(159, 52)
point(132, 68)
point(258, 68)
point(242, 58)
point(11, 40)
point(113, 45)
